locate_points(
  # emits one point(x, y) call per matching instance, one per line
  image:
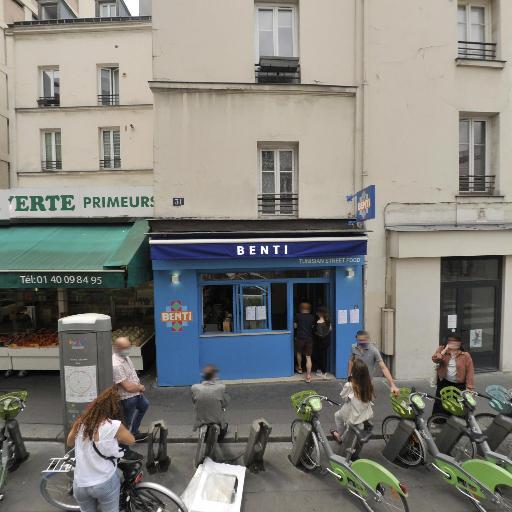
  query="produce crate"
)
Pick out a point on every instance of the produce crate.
point(143, 355)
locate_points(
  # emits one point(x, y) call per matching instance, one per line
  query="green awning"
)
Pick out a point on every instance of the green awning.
point(74, 256)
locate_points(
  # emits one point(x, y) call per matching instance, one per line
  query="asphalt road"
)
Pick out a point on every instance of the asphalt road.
point(280, 488)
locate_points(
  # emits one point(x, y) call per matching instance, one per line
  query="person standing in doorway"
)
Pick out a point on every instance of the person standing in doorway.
point(304, 327)
point(454, 368)
point(131, 391)
point(370, 355)
point(323, 329)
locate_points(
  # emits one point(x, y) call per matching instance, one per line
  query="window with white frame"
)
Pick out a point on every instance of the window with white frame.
point(276, 31)
point(277, 169)
point(474, 173)
point(474, 26)
point(51, 150)
point(110, 148)
point(108, 9)
point(50, 87)
point(108, 77)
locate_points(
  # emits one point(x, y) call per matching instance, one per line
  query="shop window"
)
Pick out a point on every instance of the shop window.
point(244, 307)
point(470, 269)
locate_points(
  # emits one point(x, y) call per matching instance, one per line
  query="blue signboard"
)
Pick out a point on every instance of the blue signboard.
point(365, 203)
point(256, 250)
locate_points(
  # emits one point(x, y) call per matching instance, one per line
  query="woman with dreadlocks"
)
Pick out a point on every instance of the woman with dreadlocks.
point(96, 435)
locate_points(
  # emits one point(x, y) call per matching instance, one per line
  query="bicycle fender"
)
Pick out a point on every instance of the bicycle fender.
point(488, 473)
point(374, 474)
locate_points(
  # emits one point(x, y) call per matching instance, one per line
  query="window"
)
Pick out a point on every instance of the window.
point(52, 158)
point(250, 307)
point(49, 11)
point(108, 9)
point(50, 87)
point(108, 86)
point(473, 26)
point(474, 175)
point(276, 31)
point(110, 149)
point(277, 168)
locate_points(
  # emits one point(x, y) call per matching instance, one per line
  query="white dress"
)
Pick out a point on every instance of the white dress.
point(353, 411)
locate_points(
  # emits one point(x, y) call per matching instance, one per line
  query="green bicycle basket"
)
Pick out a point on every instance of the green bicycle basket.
point(305, 413)
point(501, 399)
point(402, 405)
point(9, 404)
point(452, 401)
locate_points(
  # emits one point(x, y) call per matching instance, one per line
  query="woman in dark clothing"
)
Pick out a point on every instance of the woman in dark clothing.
point(454, 368)
point(304, 325)
point(323, 330)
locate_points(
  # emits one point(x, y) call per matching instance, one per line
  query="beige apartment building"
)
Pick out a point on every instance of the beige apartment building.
point(265, 123)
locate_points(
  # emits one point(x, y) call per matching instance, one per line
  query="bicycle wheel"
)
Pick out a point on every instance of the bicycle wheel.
point(391, 501)
point(484, 421)
point(413, 453)
point(464, 448)
point(310, 458)
point(57, 490)
point(201, 446)
point(151, 497)
point(505, 495)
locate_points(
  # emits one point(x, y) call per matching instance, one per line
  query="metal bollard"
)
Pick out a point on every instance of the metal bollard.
point(256, 445)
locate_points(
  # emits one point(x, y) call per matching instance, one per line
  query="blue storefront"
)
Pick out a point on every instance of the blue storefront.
point(231, 301)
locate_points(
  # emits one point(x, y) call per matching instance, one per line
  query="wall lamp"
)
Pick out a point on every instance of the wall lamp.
point(175, 278)
point(350, 272)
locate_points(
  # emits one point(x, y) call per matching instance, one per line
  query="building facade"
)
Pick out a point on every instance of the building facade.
point(270, 123)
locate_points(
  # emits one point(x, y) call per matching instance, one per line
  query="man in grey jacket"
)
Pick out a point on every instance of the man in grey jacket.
point(210, 400)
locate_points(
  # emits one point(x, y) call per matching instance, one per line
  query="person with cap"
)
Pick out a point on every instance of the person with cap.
point(370, 355)
point(454, 368)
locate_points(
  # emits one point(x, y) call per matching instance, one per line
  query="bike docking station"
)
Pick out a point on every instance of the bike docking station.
point(160, 462)
point(85, 346)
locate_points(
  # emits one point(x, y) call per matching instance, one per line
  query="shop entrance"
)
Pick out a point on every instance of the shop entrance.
point(316, 294)
point(471, 306)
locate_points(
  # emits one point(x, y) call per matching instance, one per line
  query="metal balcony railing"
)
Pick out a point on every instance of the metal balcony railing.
point(278, 204)
point(51, 165)
point(110, 163)
point(108, 99)
point(477, 51)
point(49, 101)
point(477, 184)
point(278, 70)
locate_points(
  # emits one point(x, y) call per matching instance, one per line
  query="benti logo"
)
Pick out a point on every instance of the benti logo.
point(176, 316)
point(364, 204)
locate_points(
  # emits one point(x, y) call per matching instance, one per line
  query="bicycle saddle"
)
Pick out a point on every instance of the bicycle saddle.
point(130, 468)
point(365, 434)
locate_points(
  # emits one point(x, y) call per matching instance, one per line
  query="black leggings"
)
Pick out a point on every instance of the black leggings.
point(441, 384)
point(321, 354)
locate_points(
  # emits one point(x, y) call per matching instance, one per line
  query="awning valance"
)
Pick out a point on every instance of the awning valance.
point(74, 256)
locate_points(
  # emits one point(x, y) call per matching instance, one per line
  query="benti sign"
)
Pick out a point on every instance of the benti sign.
point(23, 203)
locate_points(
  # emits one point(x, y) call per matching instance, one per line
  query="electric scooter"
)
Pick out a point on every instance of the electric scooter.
point(480, 481)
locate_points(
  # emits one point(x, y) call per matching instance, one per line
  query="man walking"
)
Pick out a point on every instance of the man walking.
point(210, 400)
point(133, 402)
point(370, 355)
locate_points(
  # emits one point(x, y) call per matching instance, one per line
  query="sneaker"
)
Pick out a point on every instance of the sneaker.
point(22, 373)
point(140, 437)
point(319, 373)
point(325, 376)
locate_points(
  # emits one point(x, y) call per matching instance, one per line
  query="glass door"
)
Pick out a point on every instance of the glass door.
point(471, 306)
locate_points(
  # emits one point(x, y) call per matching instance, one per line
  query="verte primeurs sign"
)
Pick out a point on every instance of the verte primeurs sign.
point(67, 202)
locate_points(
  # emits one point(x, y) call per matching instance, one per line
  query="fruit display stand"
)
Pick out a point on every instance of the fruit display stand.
point(5, 359)
point(143, 354)
point(29, 358)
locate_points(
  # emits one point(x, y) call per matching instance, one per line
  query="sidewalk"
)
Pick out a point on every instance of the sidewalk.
point(42, 418)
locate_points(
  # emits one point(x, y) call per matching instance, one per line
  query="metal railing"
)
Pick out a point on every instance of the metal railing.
point(51, 165)
point(278, 204)
point(81, 21)
point(49, 101)
point(477, 184)
point(477, 51)
point(277, 77)
point(108, 99)
point(110, 163)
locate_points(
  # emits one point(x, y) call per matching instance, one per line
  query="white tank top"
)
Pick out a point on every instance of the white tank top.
point(91, 469)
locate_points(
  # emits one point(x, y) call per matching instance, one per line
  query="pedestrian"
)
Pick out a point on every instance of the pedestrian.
point(96, 435)
point(357, 395)
point(304, 326)
point(454, 368)
point(370, 355)
point(323, 329)
point(210, 400)
point(133, 402)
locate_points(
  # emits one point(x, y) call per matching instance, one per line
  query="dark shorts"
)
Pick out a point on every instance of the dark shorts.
point(304, 347)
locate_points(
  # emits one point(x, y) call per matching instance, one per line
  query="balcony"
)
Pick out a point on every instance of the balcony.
point(110, 163)
point(477, 51)
point(108, 99)
point(477, 185)
point(51, 165)
point(278, 204)
point(49, 101)
point(278, 70)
